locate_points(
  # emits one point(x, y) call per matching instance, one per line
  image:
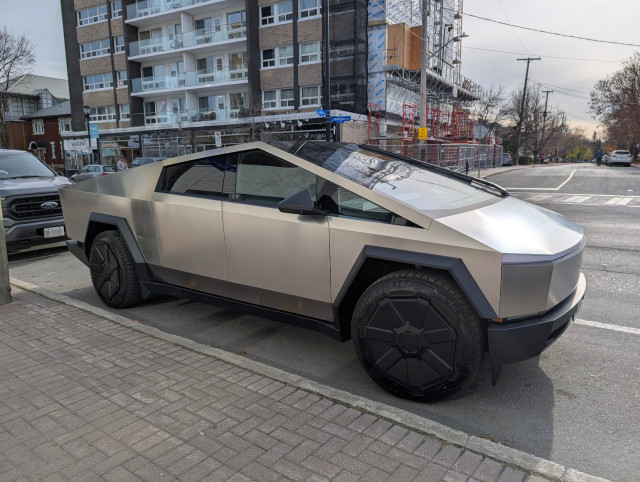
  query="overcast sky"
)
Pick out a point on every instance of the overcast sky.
point(570, 79)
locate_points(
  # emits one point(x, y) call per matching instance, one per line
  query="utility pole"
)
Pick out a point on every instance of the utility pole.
point(524, 96)
point(5, 287)
point(327, 72)
point(544, 118)
point(426, 5)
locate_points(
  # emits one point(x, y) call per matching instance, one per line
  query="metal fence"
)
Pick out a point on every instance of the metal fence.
point(459, 157)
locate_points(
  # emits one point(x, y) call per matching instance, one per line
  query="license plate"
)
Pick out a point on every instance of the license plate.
point(54, 232)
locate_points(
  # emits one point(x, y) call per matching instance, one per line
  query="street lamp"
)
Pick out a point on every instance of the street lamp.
point(87, 111)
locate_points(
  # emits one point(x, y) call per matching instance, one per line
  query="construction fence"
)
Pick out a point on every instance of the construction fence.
point(459, 157)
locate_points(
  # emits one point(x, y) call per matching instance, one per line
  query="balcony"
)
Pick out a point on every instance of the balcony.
point(189, 80)
point(188, 40)
point(196, 115)
point(152, 7)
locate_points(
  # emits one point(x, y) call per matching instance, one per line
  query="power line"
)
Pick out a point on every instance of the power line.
point(548, 32)
point(539, 55)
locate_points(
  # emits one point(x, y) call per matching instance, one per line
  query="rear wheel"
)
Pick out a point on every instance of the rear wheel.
point(417, 336)
point(113, 272)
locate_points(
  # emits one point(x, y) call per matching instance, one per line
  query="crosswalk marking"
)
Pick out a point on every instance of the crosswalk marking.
point(584, 199)
point(576, 199)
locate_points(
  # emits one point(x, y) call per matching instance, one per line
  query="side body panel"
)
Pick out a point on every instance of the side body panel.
point(349, 237)
point(190, 236)
point(282, 253)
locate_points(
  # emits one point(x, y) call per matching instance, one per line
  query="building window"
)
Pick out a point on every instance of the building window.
point(122, 78)
point(124, 112)
point(237, 103)
point(285, 55)
point(238, 66)
point(279, 56)
point(38, 127)
point(106, 113)
point(118, 44)
point(309, 52)
point(268, 58)
point(64, 124)
point(309, 8)
point(286, 98)
point(267, 15)
point(269, 99)
point(98, 81)
point(277, 99)
point(237, 24)
point(116, 9)
point(278, 13)
point(96, 48)
point(92, 15)
point(310, 96)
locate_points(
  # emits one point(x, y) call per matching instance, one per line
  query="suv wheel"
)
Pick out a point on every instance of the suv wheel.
point(417, 336)
point(113, 272)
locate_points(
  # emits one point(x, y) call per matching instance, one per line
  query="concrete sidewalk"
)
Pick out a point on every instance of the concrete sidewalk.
point(89, 395)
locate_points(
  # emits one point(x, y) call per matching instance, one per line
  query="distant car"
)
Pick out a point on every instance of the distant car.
point(32, 214)
point(93, 170)
point(619, 158)
point(410, 260)
point(141, 161)
point(506, 159)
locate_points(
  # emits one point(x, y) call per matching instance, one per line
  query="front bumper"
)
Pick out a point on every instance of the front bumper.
point(22, 235)
point(519, 341)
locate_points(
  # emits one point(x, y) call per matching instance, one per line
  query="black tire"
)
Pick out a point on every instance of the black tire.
point(113, 272)
point(417, 335)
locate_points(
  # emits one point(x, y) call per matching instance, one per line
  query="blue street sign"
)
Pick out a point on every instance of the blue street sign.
point(93, 131)
point(339, 119)
point(321, 112)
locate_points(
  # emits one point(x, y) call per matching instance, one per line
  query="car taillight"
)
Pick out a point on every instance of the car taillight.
point(105, 174)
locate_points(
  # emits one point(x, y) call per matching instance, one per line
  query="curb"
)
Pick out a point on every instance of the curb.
point(498, 452)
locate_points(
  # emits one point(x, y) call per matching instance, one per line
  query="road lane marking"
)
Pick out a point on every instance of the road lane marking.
point(540, 197)
point(614, 200)
point(543, 188)
point(606, 326)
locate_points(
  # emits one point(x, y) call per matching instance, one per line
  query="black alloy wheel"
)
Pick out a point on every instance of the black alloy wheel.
point(417, 336)
point(113, 272)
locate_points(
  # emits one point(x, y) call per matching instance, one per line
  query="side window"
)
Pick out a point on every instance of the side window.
point(342, 202)
point(203, 177)
point(266, 180)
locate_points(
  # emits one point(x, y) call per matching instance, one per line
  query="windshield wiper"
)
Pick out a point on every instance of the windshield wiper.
point(28, 176)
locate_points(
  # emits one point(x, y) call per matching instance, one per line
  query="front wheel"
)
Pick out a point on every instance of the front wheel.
point(113, 271)
point(417, 336)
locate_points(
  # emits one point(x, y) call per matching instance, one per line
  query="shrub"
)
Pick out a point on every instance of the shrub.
point(524, 160)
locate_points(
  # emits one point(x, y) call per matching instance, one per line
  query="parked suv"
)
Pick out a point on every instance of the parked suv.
point(426, 269)
point(620, 158)
point(30, 202)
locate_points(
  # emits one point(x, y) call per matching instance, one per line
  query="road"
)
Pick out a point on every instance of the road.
point(578, 404)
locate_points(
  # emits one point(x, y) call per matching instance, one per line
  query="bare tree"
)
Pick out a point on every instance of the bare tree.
point(615, 101)
point(16, 59)
point(490, 109)
point(535, 138)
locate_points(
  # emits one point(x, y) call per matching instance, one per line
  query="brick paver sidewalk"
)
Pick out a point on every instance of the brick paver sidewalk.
point(84, 398)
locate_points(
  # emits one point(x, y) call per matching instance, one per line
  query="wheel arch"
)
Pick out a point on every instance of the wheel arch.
point(99, 223)
point(375, 262)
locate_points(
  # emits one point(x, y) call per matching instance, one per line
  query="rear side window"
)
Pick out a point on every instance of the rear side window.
point(266, 180)
point(203, 177)
point(624, 153)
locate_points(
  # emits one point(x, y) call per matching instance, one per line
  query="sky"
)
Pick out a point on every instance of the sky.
point(570, 67)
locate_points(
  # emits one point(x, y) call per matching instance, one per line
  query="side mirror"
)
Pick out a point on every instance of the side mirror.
point(299, 203)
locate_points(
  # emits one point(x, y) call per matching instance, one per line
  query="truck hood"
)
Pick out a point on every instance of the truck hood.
point(33, 185)
point(519, 230)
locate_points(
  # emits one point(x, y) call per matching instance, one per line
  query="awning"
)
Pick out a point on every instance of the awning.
point(37, 145)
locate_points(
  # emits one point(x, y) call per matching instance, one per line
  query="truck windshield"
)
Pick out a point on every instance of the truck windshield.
point(14, 165)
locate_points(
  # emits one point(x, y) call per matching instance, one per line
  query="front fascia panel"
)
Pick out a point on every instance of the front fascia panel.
point(531, 288)
point(349, 237)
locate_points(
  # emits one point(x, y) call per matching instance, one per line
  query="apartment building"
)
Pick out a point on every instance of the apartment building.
point(179, 73)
